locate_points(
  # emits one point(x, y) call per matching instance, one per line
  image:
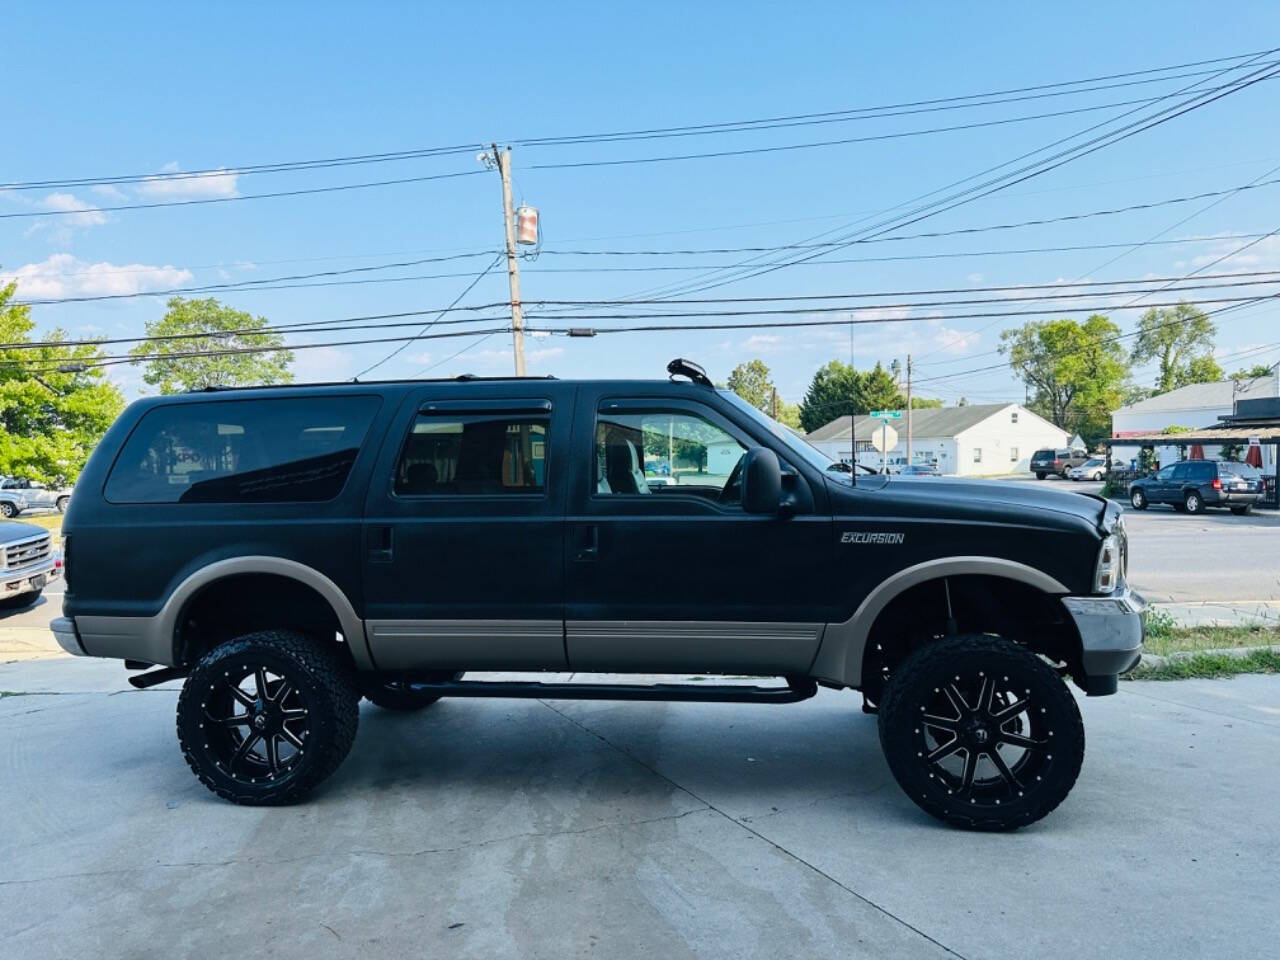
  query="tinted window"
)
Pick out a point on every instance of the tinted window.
point(1166, 473)
point(1203, 470)
point(1248, 471)
point(478, 455)
point(696, 455)
point(242, 451)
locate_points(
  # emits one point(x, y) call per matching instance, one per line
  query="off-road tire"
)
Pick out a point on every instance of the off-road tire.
point(1138, 499)
point(21, 601)
point(1192, 502)
point(402, 695)
point(1051, 715)
point(325, 685)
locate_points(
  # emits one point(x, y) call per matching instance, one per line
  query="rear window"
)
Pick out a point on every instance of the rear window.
point(285, 450)
point(1248, 471)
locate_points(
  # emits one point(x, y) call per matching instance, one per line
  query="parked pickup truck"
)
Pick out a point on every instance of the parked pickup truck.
point(292, 549)
point(28, 563)
point(1047, 461)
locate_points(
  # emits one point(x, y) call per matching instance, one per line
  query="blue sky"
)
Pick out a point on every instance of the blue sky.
point(95, 90)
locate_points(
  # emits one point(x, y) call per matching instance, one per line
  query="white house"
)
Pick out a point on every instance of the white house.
point(980, 439)
point(1197, 405)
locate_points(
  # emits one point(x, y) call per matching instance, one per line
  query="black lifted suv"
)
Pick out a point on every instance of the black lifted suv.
point(288, 550)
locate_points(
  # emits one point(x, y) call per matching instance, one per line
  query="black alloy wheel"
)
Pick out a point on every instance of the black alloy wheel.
point(981, 733)
point(264, 718)
point(404, 694)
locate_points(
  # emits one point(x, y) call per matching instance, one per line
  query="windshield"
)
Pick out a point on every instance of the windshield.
point(802, 448)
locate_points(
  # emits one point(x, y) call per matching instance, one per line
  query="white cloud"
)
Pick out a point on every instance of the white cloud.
point(220, 183)
point(1263, 255)
point(62, 275)
point(89, 215)
point(975, 278)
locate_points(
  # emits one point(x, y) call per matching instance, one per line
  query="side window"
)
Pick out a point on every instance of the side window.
point(285, 450)
point(477, 455)
point(666, 452)
point(1166, 473)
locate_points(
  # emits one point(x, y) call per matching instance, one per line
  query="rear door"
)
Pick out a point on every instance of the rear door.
point(677, 577)
point(1161, 488)
point(464, 530)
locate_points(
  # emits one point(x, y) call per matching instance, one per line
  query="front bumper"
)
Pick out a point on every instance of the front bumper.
point(1111, 633)
point(29, 579)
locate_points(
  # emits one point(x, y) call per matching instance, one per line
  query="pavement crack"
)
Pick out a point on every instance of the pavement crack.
point(742, 824)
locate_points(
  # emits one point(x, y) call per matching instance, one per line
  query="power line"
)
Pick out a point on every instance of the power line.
point(1232, 280)
point(1003, 181)
point(918, 106)
point(247, 196)
point(456, 300)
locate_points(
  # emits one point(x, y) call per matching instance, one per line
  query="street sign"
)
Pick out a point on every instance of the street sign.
point(886, 414)
point(884, 438)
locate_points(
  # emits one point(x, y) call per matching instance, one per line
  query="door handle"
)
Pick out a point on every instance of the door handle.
point(588, 549)
point(380, 545)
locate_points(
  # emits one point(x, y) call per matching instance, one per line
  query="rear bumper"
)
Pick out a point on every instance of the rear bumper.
point(29, 579)
point(1111, 634)
point(1233, 498)
point(64, 631)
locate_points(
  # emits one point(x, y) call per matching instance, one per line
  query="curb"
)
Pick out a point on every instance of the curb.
point(1153, 660)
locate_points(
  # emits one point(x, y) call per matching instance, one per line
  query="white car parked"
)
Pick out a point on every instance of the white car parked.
point(37, 495)
point(1092, 469)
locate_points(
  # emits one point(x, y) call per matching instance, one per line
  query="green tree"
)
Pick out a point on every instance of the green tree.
point(1180, 340)
point(1253, 373)
point(203, 327)
point(751, 382)
point(925, 403)
point(833, 392)
point(879, 391)
point(1077, 372)
point(49, 420)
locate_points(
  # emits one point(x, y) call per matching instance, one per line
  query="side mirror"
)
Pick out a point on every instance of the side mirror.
point(761, 481)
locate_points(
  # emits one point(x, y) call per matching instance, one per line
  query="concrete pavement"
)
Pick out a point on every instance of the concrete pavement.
point(522, 829)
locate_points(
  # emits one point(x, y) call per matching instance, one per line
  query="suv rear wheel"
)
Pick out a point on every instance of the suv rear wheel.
point(1193, 502)
point(404, 694)
point(1040, 474)
point(1243, 511)
point(981, 733)
point(264, 718)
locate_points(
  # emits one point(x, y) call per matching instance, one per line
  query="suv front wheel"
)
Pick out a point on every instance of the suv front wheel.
point(981, 733)
point(1138, 498)
point(264, 718)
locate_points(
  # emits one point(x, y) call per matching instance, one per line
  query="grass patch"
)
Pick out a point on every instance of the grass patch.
point(1209, 666)
point(1168, 639)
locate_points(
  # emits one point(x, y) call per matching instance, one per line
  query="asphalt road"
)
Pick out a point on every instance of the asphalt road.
point(497, 829)
point(1214, 556)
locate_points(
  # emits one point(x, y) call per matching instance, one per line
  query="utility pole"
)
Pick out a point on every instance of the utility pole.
point(773, 404)
point(503, 159)
point(908, 409)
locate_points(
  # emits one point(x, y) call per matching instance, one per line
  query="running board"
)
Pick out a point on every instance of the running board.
point(795, 691)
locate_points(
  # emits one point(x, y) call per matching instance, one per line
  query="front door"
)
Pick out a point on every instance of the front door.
point(666, 571)
point(464, 531)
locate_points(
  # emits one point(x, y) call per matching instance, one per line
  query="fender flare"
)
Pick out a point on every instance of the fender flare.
point(839, 658)
point(166, 622)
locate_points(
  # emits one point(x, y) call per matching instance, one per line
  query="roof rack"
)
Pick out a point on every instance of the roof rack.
point(680, 367)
